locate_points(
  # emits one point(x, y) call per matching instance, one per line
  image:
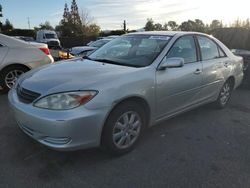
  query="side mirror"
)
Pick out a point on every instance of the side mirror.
point(173, 62)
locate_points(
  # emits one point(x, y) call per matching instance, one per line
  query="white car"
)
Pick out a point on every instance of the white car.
point(17, 57)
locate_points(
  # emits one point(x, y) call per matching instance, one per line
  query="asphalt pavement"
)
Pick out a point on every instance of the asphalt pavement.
point(198, 149)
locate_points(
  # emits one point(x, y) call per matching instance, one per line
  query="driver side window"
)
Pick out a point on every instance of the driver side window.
point(184, 48)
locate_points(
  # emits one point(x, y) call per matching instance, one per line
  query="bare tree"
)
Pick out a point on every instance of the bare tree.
point(86, 18)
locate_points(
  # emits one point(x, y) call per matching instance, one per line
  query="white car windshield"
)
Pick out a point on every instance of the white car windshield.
point(99, 43)
point(50, 36)
point(132, 50)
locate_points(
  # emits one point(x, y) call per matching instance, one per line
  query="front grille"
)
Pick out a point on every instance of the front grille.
point(26, 96)
point(53, 43)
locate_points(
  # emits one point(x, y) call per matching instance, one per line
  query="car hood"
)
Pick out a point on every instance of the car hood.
point(80, 49)
point(72, 75)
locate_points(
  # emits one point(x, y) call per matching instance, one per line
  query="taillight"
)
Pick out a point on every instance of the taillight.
point(45, 50)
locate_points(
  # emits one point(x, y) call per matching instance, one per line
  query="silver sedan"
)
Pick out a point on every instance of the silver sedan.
point(131, 83)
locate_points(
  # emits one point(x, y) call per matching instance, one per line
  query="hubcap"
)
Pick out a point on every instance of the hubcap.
point(127, 129)
point(225, 94)
point(11, 77)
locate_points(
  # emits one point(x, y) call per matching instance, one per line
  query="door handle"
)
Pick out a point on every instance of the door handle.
point(226, 64)
point(198, 71)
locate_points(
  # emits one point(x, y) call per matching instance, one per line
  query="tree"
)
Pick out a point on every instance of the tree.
point(71, 24)
point(215, 24)
point(158, 27)
point(237, 23)
point(45, 25)
point(187, 26)
point(74, 24)
point(1, 9)
point(190, 25)
point(75, 17)
point(7, 26)
point(172, 25)
point(92, 30)
point(247, 23)
point(199, 26)
point(165, 27)
point(66, 14)
point(149, 25)
point(86, 18)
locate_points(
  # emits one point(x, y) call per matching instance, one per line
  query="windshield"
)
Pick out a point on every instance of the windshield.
point(50, 36)
point(98, 43)
point(132, 50)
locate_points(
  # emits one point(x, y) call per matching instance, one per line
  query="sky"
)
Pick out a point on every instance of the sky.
point(109, 14)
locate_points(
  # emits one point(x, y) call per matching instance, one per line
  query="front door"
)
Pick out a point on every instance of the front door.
point(3, 52)
point(179, 88)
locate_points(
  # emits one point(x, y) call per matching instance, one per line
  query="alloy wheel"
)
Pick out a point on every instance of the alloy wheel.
point(225, 93)
point(11, 77)
point(127, 130)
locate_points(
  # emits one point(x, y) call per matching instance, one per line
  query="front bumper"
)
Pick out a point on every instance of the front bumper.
point(74, 129)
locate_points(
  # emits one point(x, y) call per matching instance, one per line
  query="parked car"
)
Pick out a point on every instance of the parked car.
point(246, 68)
point(108, 99)
point(84, 50)
point(26, 39)
point(17, 57)
point(112, 36)
point(48, 37)
point(246, 56)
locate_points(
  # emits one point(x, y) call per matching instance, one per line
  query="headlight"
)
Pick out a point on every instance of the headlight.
point(65, 101)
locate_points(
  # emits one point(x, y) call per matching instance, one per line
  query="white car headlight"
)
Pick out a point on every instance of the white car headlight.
point(65, 101)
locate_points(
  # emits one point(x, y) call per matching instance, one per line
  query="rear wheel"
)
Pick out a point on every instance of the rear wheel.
point(9, 76)
point(225, 95)
point(123, 128)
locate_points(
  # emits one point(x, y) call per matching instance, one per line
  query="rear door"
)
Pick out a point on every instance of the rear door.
point(215, 63)
point(3, 52)
point(178, 88)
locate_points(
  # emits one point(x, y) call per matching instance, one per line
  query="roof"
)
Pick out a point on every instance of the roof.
point(12, 42)
point(46, 31)
point(168, 33)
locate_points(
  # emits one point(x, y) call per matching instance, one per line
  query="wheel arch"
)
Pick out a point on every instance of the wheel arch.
point(15, 65)
point(138, 100)
point(231, 79)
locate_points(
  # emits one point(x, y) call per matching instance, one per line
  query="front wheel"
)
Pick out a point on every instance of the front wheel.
point(225, 95)
point(123, 128)
point(10, 75)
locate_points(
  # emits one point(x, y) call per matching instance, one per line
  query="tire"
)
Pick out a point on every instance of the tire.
point(123, 128)
point(8, 74)
point(225, 95)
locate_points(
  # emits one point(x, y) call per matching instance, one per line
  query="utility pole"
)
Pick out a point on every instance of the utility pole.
point(28, 18)
point(124, 26)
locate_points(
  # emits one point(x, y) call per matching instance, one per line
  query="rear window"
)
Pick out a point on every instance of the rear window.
point(209, 49)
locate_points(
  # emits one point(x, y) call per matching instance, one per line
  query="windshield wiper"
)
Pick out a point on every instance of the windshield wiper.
point(87, 57)
point(106, 61)
point(115, 62)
